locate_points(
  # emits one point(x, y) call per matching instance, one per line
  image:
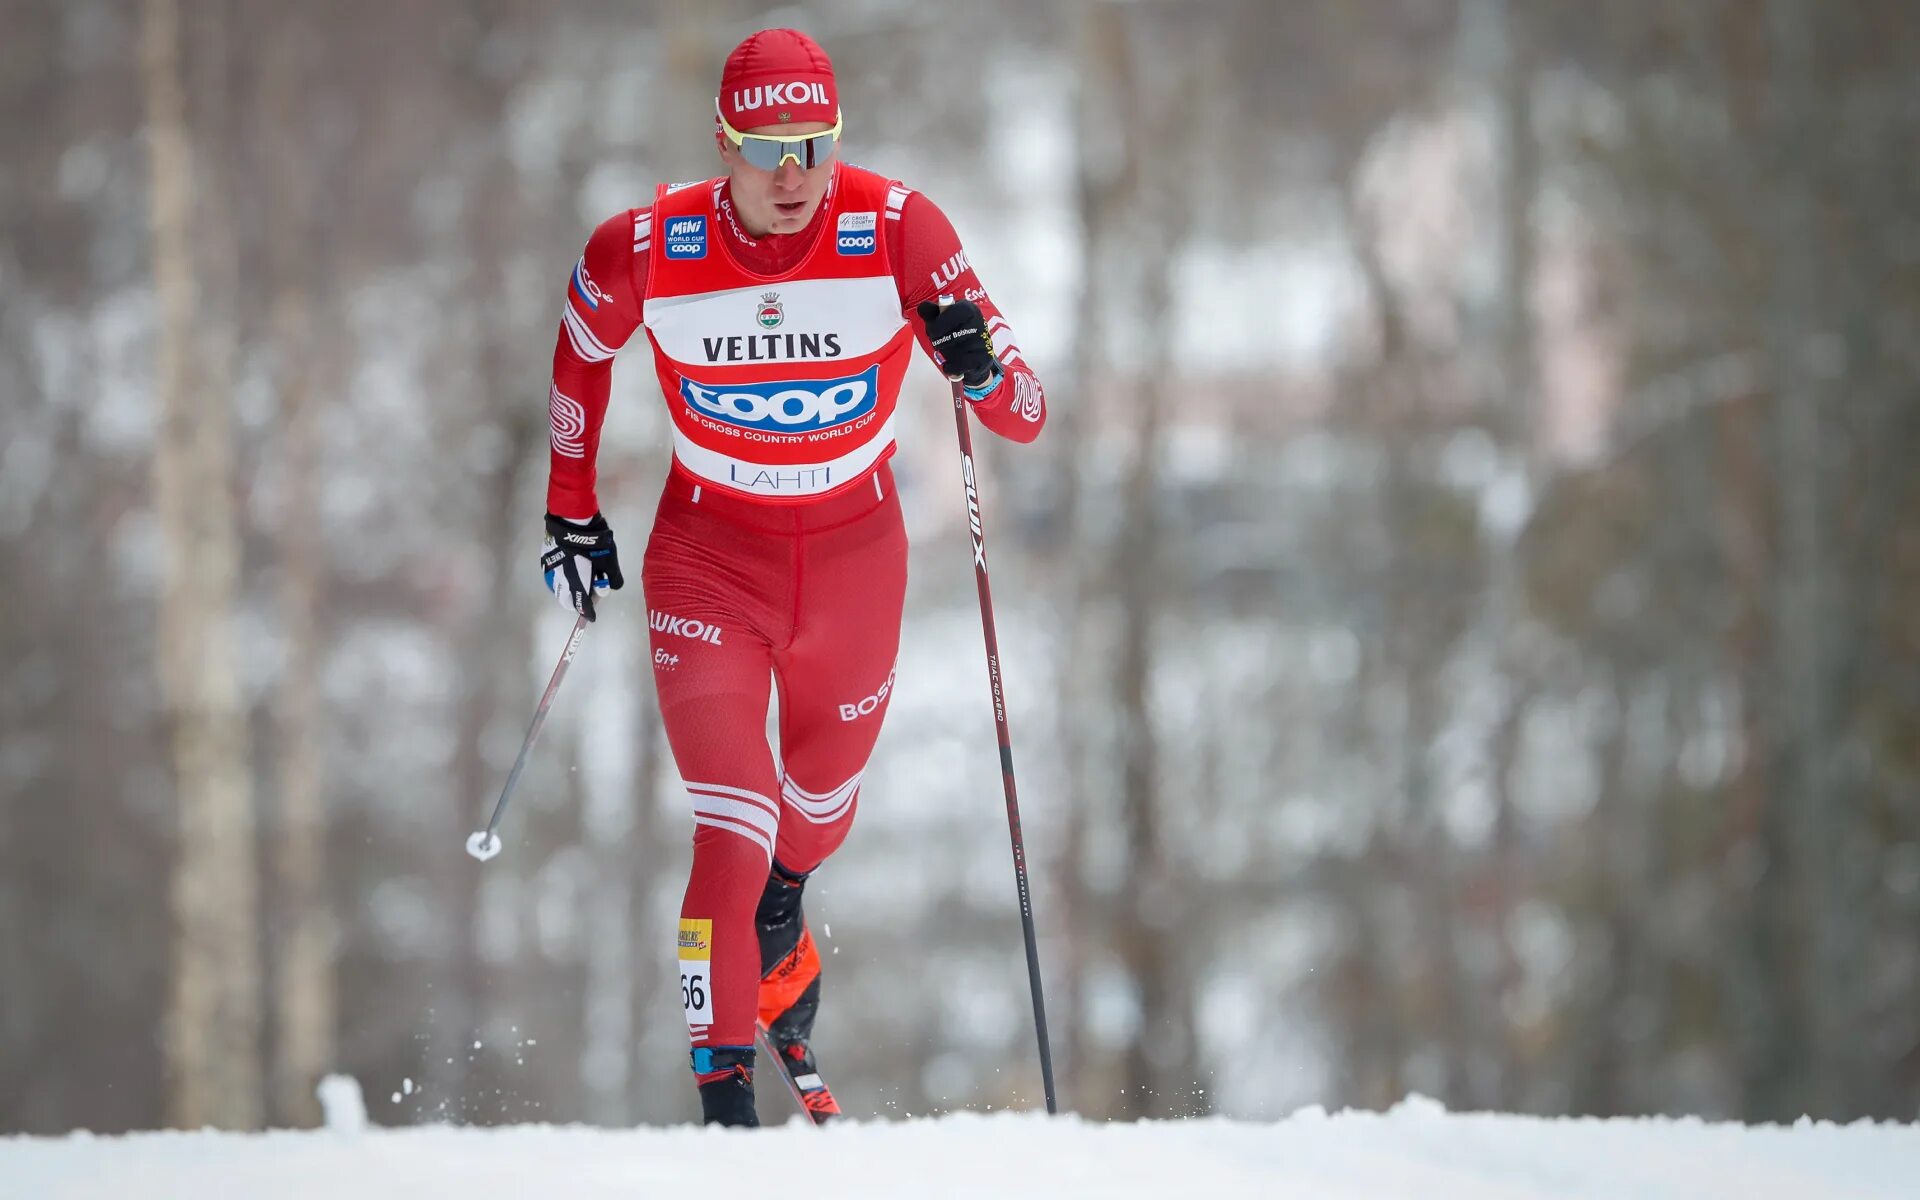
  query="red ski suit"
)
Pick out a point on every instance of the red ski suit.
point(777, 556)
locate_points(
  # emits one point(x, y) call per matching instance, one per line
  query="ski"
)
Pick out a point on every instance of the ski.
point(803, 1081)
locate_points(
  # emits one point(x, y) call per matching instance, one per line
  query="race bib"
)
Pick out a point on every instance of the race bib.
point(696, 970)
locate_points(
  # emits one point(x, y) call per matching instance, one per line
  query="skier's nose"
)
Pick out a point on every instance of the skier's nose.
point(788, 176)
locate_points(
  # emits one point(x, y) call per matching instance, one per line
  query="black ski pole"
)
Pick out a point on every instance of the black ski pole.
point(485, 843)
point(1006, 738)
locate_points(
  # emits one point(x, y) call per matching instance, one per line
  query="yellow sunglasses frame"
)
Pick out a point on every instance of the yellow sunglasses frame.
point(785, 139)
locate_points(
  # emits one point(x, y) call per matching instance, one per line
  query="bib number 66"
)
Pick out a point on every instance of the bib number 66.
point(693, 993)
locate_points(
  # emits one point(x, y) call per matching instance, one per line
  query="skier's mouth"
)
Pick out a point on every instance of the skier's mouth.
point(791, 209)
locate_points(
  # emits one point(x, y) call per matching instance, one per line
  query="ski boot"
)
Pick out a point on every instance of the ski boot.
point(725, 1076)
point(790, 991)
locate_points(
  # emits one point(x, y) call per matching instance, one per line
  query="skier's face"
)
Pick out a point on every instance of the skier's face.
point(784, 199)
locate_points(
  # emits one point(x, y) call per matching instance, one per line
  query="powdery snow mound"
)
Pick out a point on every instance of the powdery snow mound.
point(1416, 1150)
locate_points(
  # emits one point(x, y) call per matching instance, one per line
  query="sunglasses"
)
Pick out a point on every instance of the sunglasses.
point(769, 151)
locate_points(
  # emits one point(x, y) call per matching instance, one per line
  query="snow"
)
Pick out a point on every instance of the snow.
point(1415, 1150)
point(343, 1104)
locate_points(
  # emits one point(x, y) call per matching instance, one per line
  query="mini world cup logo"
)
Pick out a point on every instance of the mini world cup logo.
point(770, 314)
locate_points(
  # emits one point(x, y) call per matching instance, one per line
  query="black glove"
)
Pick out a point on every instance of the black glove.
point(958, 334)
point(580, 560)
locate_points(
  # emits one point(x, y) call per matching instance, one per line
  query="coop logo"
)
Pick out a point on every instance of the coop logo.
point(786, 406)
point(585, 288)
point(866, 705)
point(856, 232)
point(686, 627)
point(687, 237)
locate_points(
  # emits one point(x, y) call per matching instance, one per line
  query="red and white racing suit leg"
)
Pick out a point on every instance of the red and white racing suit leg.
point(740, 593)
point(836, 676)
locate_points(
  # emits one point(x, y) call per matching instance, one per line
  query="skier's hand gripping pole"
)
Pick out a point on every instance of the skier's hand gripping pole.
point(1006, 740)
point(485, 843)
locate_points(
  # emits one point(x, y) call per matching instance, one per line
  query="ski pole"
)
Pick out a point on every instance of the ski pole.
point(1006, 738)
point(485, 843)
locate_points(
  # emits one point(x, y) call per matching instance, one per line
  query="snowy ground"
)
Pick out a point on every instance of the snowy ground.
point(1416, 1150)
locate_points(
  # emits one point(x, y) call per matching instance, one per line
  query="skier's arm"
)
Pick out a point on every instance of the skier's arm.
point(601, 311)
point(929, 263)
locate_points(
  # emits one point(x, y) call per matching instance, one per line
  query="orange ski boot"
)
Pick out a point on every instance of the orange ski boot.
point(790, 991)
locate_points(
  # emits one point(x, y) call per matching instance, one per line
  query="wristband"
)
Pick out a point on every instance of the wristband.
point(985, 389)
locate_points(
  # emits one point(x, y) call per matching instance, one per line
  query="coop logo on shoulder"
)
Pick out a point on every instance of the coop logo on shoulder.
point(786, 406)
point(584, 287)
point(687, 237)
point(856, 232)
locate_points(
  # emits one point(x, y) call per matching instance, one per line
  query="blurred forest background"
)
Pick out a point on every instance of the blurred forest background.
point(1462, 623)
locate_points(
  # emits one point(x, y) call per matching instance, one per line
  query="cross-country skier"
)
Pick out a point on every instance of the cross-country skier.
point(781, 301)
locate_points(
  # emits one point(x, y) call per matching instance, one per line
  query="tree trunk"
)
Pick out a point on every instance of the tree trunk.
point(304, 999)
point(1162, 1062)
point(304, 985)
point(1519, 181)
point(1816, 818)
point(212, 1030)
point(1102, 194)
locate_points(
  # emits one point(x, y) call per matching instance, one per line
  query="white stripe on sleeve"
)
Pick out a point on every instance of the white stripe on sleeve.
point(585, 344)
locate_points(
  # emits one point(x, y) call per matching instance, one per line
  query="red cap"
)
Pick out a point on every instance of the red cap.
point(775, 77)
